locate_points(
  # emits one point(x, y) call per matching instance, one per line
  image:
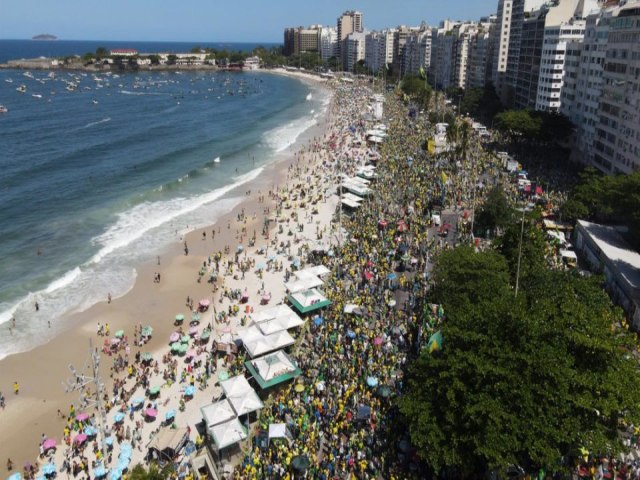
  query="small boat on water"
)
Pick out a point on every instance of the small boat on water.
point(3, 109)
point(36, 95)
point(95, 102)
point(8, 80)
point(216, 160)
point(22, 88)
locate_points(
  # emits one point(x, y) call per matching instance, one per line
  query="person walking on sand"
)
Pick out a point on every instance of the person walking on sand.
point(109, 297)
point(16, 388)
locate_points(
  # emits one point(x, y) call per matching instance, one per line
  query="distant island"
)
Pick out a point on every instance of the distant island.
point(44, 36)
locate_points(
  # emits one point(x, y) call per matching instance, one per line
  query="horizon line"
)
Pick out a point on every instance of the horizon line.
point(150, 41)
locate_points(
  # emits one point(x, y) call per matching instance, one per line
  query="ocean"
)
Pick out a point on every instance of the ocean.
point(99, 172)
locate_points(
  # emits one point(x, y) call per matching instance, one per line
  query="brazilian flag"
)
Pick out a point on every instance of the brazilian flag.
point(423, 74)
point(435, 342)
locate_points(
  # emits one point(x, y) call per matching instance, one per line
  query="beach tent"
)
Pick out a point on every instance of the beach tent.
point(241, 396)
point(216, 413)
point(308, 300)
point(227, 433)
point(273, 369)
point(257, 343)
point(350, 203)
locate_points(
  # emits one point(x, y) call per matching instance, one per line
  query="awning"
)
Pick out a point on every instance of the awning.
point(256, 343)
point(169, 438)
point(241, 396)
point(216, 413)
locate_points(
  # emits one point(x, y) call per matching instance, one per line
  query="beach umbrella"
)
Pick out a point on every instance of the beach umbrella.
point(49, 469)
point(351, 334)
point(271, 257)
point(191, 353)
point(80, 439)
point(223, 375)
point(170, 415)
point(193, 331)
point(296, 262)
point(118, 417)
point(175, 346)
point(239, 248)
point(179, 318)
point(174, 337)
point(205, 334)
point(109, 441)
point(115, 474)
point(189, 391)
point(299, 388)
point(90, 431)
point(147, 331)
point(15, 476)
point(81, 417)
point(204, 303)
point(154, 391)
point(318, 321)
point(391, 276)
point(261, 266)
point(372, 381)
point(49, 444)
point(183, 349)
point(138, 401)
point(151, 413)
point(147, 357)
point(119, 334)
point(115, 341)
point(99, 471)
point(195, 318)
point(185, 339)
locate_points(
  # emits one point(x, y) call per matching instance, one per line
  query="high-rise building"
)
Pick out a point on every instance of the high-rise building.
point(328, 42)
point(416, 54)
point(290, 39)
point(379, 50)
point(299, 40)
point(478, 56)
point(582, 90)
point(347, 23)
point(617, 142)
point(443, 46)
point(400, 37)
point(500, 46)
point(354, 50)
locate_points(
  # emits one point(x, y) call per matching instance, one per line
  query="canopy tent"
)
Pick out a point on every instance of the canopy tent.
point(277, 430)
point(315, 271)
point(356, 188)
point(216, 413)
point(241, 396)
point(257, 343)
point(350, 203)
point(309, 300)
point(227, 433)
point(273, 369)
point(351, 197)
point(357, 180)
point(169, 441)
point(303, 284)
point(276, 319)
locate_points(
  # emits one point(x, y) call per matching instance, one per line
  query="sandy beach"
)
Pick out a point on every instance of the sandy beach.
point(37, 409)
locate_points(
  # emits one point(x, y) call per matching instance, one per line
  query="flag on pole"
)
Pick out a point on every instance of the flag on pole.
point(444, 177)
point(423, 74)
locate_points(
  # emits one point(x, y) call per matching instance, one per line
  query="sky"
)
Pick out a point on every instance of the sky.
point(213, 20)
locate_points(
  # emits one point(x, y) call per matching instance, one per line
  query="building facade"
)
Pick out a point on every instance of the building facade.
point(347, 23)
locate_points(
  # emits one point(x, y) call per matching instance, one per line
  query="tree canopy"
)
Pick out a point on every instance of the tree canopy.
point(494, 213)
point(519, 381)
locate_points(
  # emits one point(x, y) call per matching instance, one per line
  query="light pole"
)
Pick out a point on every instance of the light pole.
point(524, 210)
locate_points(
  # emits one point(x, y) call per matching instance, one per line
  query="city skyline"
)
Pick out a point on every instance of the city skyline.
point(255, 21)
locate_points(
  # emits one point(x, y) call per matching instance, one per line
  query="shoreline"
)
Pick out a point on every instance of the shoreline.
point(41, 369)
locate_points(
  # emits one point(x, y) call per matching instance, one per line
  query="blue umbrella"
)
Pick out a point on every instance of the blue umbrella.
point(118, 417)
point(189, 391)
point(109, 441)
point(49, 469)
point(137, 402)
point(351, 334)
point(372, 381)
point(99, 471)
point(170, 415)
point(318, 321)
point(123, 464)
point(391, 276)
point(15, 476)
point(90, 431)
point(116, 474)
point(261, 266)
point(296, 262)
point(271, 257)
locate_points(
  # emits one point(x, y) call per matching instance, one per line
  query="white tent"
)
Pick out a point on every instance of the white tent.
point(228, 433)
point(241, 396)
point(277, 430)
point(316, 270)
point(273, 365)
point(272, 312)
point(216, 413)
point(350, 203)
point(351, 197)
point(257, 343)
point(303, 284)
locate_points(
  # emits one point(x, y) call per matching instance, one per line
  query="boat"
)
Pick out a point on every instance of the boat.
point(216, 160)
point(3, 109)
point(95, 102)
point(36, 95)
point(8, 80)
point(28, 74)
point(22, 88)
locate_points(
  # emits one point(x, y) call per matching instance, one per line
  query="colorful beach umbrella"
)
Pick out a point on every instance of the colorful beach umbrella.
point(118, 417)
point(154, 390)
point(49, 469)
point(174, 337)
point(119, 334)
point(81, 417)
point(151, 412)
point(189, 391)
point(372, 381)
point(180, 317)
point(223, 375)
point(49, 444)
point(99, 471)
point(147, 357)
point(170, 415)
point(80, 439)
point(147, 331)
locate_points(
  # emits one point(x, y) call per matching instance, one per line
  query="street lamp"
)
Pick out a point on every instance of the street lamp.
point(524, 210)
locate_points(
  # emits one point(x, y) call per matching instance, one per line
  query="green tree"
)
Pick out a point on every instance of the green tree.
point(101, 52)
point(518, 125)
point(523, 381)
point(495, 213)
point(196, 49)
point(151, 473)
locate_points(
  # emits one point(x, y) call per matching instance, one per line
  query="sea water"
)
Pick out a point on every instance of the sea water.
point(103, 171)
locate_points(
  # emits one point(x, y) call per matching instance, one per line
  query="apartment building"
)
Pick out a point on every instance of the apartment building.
point(379, 50)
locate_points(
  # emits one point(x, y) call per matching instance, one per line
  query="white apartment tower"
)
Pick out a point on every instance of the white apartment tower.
point(328, 42)
point(379, 50)
point(347, 23)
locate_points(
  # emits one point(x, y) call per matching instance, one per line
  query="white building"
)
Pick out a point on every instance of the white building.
point(252, 63)
point(378, 50)
point(443, 43)
point(328, 42)
point(354, 50)
point(417, 51)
